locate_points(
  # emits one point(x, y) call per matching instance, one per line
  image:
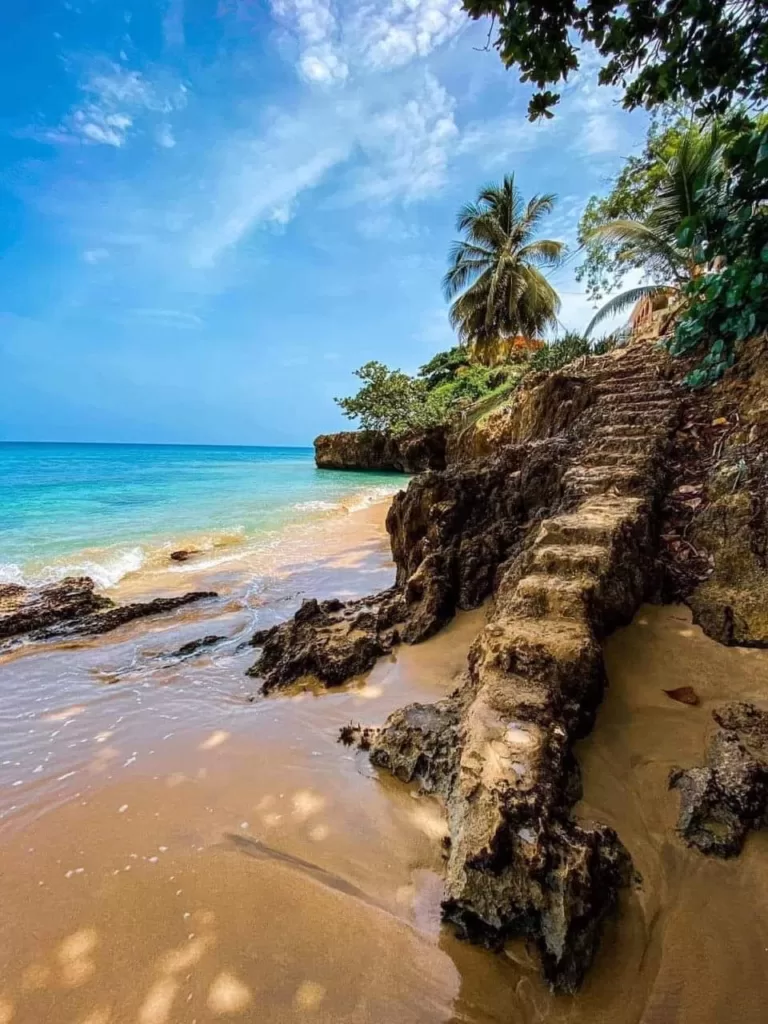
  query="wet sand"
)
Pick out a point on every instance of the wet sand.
point(174, 853)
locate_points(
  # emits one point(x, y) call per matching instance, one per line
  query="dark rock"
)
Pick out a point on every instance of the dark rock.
point(24, 610)
point(196, 646)
point(183, 554)
point(116, 616)
point(376, 450)
point(721, 801)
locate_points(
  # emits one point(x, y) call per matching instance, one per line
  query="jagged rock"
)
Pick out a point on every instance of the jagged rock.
point(500, 749)
point(120, 615)
point(377, 450)
point(450, 532)
point(71, 608)
point(562, 531)
point(330, 641)
point(196, 646)
point(721, 801)
point(732, 605)
point(24, 610)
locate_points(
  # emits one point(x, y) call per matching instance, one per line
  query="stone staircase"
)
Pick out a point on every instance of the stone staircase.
point(519, 863)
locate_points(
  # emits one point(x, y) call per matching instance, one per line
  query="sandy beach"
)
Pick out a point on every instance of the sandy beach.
point(178, 852)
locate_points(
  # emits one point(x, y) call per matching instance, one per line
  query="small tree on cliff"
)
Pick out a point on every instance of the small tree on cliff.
point(495, 275)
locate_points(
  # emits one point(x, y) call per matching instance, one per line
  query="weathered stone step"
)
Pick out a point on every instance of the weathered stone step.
point(541, 595)
point(628, 443)
point(641, 396)
point(595, 522)
point(570, 559)
point(632, 431)
point(633, 415)
point(588, 480)
point(637, 457)
point(539, 650)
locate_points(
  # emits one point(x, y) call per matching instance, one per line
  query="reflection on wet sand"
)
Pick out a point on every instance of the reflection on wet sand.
point(174, 854)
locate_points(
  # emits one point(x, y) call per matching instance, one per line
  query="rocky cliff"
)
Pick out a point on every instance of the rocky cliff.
point(377, 450)
point(584, 496)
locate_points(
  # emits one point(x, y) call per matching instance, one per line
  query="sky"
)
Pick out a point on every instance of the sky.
point(213, 211)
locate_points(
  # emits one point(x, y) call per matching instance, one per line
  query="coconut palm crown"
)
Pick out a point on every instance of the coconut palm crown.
point(691, 184)
point(496, 274)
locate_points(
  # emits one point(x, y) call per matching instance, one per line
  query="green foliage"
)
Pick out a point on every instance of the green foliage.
point(388, 400)
point(442, 368)
point(681, 186)
point(630, 197)
point(393, 401)
point(708, 52)
point(495, 274)
point(728, 302)
point(560, 352)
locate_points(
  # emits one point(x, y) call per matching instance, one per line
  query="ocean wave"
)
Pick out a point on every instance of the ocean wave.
point(318, 506)
point(11, 573)
point(105, 572)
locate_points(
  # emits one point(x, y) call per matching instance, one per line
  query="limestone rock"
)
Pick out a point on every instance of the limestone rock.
point(377, 450)
point(721, 801)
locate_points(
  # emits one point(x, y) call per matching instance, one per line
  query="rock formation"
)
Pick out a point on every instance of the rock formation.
point(561, 529)
point(377, 450)
point(72, 608)
point(726, 797)
point(500, 749)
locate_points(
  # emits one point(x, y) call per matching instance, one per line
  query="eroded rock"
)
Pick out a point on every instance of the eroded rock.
point(72, 608)
point(722, 800)
point(450, 532)
point(24, 609)
point(377, 450)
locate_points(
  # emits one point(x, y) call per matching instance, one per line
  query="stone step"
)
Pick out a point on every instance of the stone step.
point(632, 416)
point(640, 396)
point(595, 522)
point(585, 479)
point(541, 649)
point(639, 441)
point(621, 455)
point(540, 595)
point(632, 431)
point(570, 559)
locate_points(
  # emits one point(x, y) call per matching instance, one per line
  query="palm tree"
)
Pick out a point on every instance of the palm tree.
point(495, 274)
point(691, 183)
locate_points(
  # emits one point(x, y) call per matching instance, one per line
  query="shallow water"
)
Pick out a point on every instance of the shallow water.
point(176, 854)
point(115, 511)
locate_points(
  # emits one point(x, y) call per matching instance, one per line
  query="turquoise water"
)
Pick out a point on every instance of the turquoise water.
point(105, 509)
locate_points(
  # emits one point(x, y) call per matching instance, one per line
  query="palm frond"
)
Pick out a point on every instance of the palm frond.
point(626, 300)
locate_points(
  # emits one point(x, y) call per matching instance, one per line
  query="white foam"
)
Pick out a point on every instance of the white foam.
point(11, 573)
point(317, 506)
point(104, 574)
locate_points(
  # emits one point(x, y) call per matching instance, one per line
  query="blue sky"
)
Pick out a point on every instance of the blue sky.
point(212, 211)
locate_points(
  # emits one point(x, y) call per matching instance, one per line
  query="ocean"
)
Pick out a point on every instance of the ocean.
point(110, 510)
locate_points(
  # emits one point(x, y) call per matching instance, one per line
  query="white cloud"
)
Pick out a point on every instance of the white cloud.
point(317, 32)
point(113, 99)
point(407, 147)
point(367, 38)
point(173, 24)
point(95, 255)
point(165, 137)
point(406, 29)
